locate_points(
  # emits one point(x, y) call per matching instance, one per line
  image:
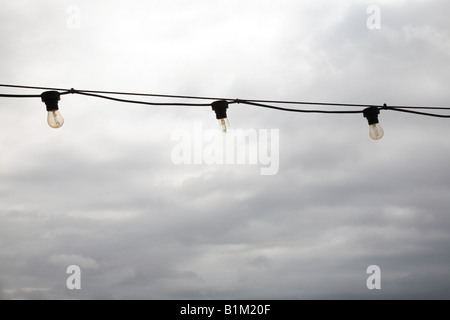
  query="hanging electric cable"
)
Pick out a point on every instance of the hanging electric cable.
point(51, 97)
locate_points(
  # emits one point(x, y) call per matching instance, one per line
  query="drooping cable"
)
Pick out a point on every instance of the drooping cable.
point(296, 110)
point(219, 105)
point(230, 100)
point(418, 112)
point(144, 102)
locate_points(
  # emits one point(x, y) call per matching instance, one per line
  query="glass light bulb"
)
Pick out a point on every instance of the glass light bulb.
point(376, 131)
point(224, 124)
point(55, 119)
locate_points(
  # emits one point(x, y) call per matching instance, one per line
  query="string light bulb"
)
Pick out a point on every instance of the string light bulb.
point(54, 118)
point(376, 132)
point(220, 108)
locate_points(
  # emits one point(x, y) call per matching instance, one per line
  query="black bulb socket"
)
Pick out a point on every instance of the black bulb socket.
point(371, 114)
point(220, 108)
point(51, 98)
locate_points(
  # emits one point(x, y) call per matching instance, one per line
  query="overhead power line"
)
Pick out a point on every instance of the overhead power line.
point(66, 90)
point(51, 96)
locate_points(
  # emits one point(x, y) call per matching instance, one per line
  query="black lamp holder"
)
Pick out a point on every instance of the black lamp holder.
point(371, 114)
point(51, 98)
point(220, 108)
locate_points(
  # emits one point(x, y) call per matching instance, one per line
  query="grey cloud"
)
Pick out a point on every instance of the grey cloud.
point(103, 192)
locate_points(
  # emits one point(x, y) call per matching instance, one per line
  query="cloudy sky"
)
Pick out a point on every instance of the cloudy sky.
point(104, 192)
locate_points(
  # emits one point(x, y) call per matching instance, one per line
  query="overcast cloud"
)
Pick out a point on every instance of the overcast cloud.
point(104, 193)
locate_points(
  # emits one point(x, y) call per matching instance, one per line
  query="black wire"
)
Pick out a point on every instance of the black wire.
point(315, 103)
point(29, 87)
point(419, 113)
point(118, 93)
point(154, 95)
point(143, 102)
point(27, 95)
point(208, 104)
point(344, 104)
point(20, 96)
point(295, 110)
point(257, 103)
point(228, 99)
